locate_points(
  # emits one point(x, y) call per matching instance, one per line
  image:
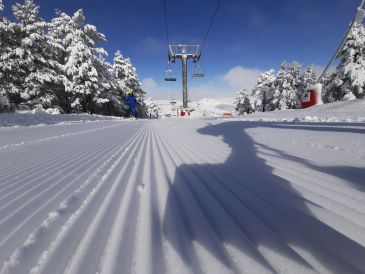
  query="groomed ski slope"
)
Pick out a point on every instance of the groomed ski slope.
point(183, 196)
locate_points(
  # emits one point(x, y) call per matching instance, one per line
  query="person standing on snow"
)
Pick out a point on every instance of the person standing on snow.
point(131, 101)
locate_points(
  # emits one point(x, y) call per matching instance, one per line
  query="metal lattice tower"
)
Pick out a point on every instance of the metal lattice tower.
point(184, 52)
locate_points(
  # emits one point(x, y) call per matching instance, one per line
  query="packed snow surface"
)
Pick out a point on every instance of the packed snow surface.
point(32, 118)
point(348, 111)
point(184, 196)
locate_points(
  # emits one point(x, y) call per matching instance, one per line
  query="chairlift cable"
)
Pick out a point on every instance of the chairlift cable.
point(211, 24)
point(166, 24)
point(342, 44)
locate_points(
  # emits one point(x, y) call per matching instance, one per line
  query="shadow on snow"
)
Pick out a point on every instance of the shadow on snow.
point(243, 204)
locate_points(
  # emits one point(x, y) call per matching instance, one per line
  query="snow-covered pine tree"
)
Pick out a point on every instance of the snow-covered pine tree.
point(132, 80)
point(348, 82)
point(119, 75)
point(107, 98)
point(326, 93)
point(126, 78)
point(60, 35)
point(119, 84)
point(119, 70)
point(242, 102)
point(30, 58)
point(286, 94)
point(28, 53)
point(153, 110)
point(80, 63)
point(5, 37)
point(9, 70)
point(263, 91)
point(307, 79)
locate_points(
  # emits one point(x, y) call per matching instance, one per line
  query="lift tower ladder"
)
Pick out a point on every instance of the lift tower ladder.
point(184, 52)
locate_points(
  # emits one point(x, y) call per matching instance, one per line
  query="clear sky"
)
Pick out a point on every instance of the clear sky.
point(247, 36)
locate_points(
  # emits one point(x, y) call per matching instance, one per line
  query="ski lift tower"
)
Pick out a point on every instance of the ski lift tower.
point(184, 52)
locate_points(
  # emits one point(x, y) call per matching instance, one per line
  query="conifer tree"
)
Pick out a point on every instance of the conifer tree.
point(5, 43)
point(80, 66)
point(242, 102)
point(307, 79)
point(286, 94)
point(153, 110)
point(31, 57)
point(263, 91)
point(126, 78)
point(348, 81)
point(60, 35)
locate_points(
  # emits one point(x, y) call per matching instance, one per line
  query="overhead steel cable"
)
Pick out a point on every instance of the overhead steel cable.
point(210, 25)
point(344, 40)
point(166, 24)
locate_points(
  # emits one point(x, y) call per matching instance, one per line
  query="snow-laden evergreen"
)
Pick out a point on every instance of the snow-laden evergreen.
point(308, 78)
point(153, 110)
point(348, 82)
point(61, 63)
point(32, 56)
point(284, 89)
point(81, 73)
point(125, 74)
point(8, 70)
point(4, 37)
point(242, 102)
point(263, 91)
point(286, 93)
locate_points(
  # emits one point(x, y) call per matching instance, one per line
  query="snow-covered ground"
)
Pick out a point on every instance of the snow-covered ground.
point(203, 108)
point(186, 195)
point(27, 118)
point(349, 111)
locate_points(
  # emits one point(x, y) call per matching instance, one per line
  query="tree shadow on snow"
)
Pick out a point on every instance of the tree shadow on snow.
point(242, 204)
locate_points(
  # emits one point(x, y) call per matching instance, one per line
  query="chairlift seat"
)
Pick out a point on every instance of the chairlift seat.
point(198, 75)
point(170, 79)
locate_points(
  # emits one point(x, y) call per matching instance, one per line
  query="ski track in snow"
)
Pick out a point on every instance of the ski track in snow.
point(183, 196)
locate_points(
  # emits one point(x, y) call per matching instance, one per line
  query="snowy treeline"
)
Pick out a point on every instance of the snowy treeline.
point(277, 90)
point(285, 88)
point(60, 63)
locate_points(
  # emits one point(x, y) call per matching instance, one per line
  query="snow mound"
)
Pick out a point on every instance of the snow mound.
point(40, 116)
point(214, 107)
point(348, 111)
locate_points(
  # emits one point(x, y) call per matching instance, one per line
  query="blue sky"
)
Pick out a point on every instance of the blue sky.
point(247, 37)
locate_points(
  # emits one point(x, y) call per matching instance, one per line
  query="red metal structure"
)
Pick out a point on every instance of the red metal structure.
point(313, 96)
point(310, 99)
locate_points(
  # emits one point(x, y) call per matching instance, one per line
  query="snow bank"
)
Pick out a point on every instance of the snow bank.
point(214, 107)
point(348, 111)
point(37, 117)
